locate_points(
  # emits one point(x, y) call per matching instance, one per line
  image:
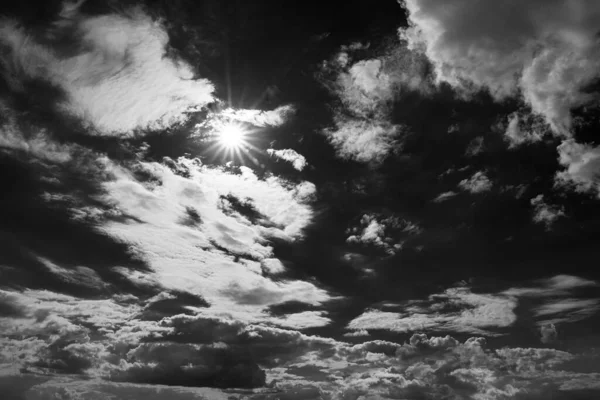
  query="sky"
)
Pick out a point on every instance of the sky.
point(297, 200)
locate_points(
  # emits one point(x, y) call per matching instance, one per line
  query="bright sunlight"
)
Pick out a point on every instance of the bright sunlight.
point(231, 136)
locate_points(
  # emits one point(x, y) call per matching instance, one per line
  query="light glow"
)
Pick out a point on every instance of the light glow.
point(231, 136)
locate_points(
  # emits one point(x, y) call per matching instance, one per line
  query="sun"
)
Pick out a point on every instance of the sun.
point(231, 136)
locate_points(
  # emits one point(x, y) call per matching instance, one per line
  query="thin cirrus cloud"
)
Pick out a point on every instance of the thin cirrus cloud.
point(119, 81)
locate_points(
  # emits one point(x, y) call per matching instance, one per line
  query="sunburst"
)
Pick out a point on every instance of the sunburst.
point(232, 141)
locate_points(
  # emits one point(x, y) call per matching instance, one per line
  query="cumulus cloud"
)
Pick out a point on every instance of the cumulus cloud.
point(363, 140)
point(366, 89)
point(290, 155)
point(383, 233)
point(119, 81)
point(517, 135)
point(582, 164)
point(545, 213)
point(545, 50)
point(478, 183)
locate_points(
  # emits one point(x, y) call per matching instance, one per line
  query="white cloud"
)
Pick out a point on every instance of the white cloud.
point(545, 213)
point(516, 135)
point(259, 118)
point(444, 196)
point(547, 50)
point(120, 80)
point(458, 309)
point(290, 155)
point(478, 183)
point(384, 233)
point(366, 89)
point(183, 257)
point(363, 140)
point(477, 313)
point(583, 166)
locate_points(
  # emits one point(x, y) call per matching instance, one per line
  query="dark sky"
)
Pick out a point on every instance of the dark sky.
point(299, 200)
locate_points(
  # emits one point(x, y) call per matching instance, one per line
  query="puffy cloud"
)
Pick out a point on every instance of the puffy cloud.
point(478, 183)
point(545, 213)
point(363, 140)
point(366, 89)
point(582, 164)
point(382, 232)
point(546, 50)
point(120, 79)
point(517, 135)
point(297, 160)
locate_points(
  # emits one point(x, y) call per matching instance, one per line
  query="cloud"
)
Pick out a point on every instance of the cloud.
point(383, 233)
point(455, 310)
point(119, 81)
point(258, 118)
point(545, 213)
point(516, 136)
point(190, 258)
point(444, 196)
point(363, 140)
point(582, 164)
point(366, 88)
point(476, 146)
point(546, 50)
point(478, 183)
point(297, 160)
point(549, 333)
point(458, 309)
